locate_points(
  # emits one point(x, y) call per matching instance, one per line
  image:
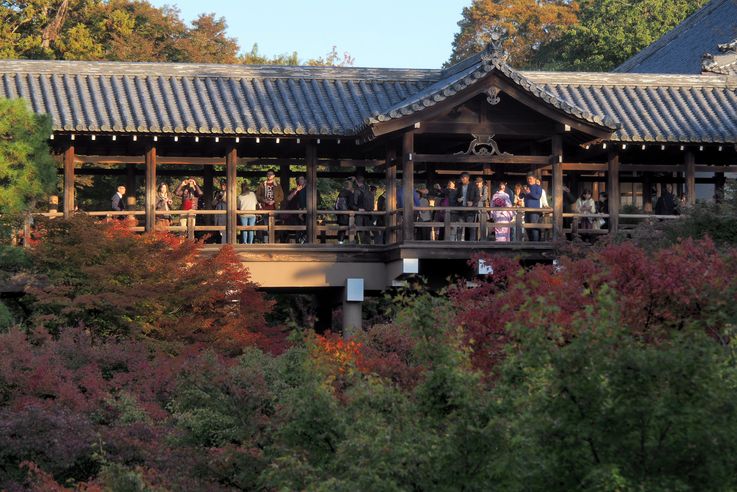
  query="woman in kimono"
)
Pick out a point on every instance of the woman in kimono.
point(501, 200)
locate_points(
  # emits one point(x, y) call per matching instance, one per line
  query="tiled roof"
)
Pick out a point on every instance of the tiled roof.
point(258, 100)
point(475, 69)
point(653, 108)
point(725, 62)
point(681, 49)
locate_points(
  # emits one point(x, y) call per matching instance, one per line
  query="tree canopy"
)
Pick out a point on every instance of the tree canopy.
point(125, 30)
point(27, 170)
point(585, 35)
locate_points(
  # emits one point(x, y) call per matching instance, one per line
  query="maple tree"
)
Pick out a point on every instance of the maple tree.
point(156, 286)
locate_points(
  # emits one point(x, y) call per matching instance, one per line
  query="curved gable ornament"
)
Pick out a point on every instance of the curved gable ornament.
point(483, 145)
point(494, 52)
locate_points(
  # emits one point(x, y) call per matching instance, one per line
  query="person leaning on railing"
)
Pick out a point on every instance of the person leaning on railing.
point(532, 194)
point(163, 203)
point(118, 203)
point(190, 191)
point(269, 193)
point(247, 201)
point(220, 202)
point(466, 195)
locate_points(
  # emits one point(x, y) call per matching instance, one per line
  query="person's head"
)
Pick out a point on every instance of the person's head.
point(270, 175)
point(586, 195)
point(451, 185)
point(538, 182)
point(301, 180)
point(348, 184)
point(423, 191)
point(517, 187)
point(602, 196)
point(479, 182)
point(121, 189)
point(163, 188)
point(360, 179)
point(530, 179)
point(465, 178)
point(223, 184)
point(503, 186)
point(244, 187)
point(669, 188)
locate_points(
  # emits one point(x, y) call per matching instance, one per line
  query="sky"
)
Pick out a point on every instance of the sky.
point(377, 33)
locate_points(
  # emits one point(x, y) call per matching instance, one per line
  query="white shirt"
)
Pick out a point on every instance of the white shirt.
point(544, 200)
point(247, 201)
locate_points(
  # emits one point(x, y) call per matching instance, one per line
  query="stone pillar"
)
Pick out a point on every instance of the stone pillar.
point(352, 307)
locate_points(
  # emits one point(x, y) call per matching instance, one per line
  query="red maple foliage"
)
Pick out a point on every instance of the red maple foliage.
point(655, 292)
point(156, 286)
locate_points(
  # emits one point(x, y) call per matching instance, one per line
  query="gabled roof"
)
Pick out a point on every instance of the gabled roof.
point(190, 99)
point(681, 49)
point(469, 72)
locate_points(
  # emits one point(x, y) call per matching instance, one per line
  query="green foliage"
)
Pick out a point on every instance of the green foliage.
point(608, 32)
point(6, 318)
point(27, 170)
point(587, 35)
point(611, 412)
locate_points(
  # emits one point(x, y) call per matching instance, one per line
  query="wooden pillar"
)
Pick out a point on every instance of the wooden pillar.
point(690, 159)
point(130, 185)
point(408, 185)
point(719, 182)
point(311, 161)
point(231, 195)
point(613, 190)
point(391, 195)
point(557, 188)
point(487, 172)
point(647, 196)
point(69, 181)
point(207, 184)
point(150, 199)
point(284, 176)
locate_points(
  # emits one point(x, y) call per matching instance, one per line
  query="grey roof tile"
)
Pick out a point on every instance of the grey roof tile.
point(203, 99)
point(681, 49)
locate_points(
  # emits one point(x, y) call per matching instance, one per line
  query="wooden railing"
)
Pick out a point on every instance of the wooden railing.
point(367, 228)
point(481, 226)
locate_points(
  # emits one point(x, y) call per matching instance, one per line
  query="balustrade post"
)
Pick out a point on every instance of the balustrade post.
point(351, 227)
point(270, 232)
point(190, 226)
point(483, 225)
point(447, 228)
point(519, 226)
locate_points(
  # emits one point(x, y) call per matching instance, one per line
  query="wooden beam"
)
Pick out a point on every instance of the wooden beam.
point(311, 159)
point(613, 194)
point(408, 185)
point(231, 169)
point(584, 166)
point(651, 168)
point(390, 195)
point(557, 150)
point(69, 181)
point(150, 199)
point(690, 162)
point(480, 159)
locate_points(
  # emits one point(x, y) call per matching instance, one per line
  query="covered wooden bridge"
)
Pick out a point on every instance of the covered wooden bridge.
point(626, 134)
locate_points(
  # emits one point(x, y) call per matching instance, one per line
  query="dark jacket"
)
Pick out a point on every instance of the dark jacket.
point(532, 199)
point(118, 203)
point(666, 204)
point(363, 198)
point(472, 195)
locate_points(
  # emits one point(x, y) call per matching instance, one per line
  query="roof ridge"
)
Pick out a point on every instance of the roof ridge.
point(671, 35)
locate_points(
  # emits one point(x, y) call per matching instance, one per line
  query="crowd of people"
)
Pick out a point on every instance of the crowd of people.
point(358, 199)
